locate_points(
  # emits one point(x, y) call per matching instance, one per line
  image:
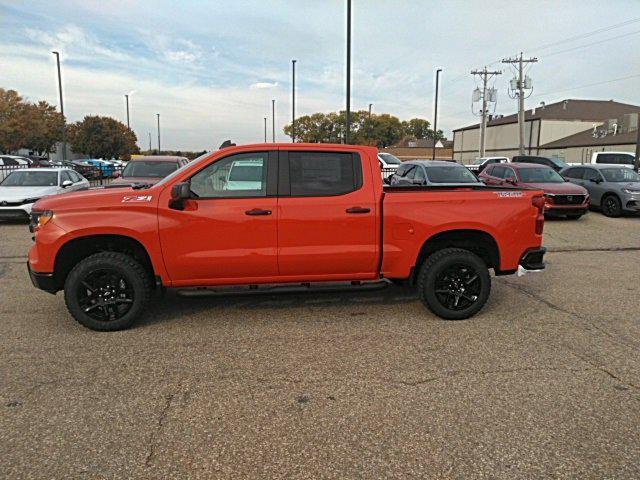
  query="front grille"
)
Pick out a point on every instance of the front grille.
point(568, 199)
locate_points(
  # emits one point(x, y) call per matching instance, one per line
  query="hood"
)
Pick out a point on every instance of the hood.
point(132, 180)
point(92, 198)
point(565, 188)
point(14, 194)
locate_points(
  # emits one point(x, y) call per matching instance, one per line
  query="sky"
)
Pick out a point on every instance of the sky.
point(211, 68)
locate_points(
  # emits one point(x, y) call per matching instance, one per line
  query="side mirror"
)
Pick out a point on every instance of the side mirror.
point(67, 183)
point(511, 181)
point(417, 181)
point(594, 180)
point(181, 191)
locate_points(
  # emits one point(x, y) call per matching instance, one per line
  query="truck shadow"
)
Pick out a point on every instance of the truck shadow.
point(173, 305)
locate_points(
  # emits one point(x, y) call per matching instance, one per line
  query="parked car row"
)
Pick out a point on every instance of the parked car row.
point(22, 184)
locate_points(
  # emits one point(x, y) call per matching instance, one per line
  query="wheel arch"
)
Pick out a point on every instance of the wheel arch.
point(79, 248)
point(476, 241)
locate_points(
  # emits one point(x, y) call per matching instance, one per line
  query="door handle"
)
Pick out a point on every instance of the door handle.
point(257, 211)
point(358, 210)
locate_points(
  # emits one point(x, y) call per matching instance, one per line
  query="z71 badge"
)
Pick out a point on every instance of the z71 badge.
point(509, 194)
point(137, 198)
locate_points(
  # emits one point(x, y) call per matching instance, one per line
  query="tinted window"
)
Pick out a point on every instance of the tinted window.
point(620, 175)
point(64, 176)
point(444, 174)
point(615, 158)
point(242, 175)
point(591, 173)
point(324, 173)
point(509, 174)
point(402, 170)
point(498, 171)
point(10, 161)
point(151, 169)
point(31, 179)
point(577, 173)
point(410, 173)
point(74, 176)
point(420, 174)
point(540, 175)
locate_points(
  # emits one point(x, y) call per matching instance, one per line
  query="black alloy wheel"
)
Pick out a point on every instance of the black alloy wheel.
point(611, 206)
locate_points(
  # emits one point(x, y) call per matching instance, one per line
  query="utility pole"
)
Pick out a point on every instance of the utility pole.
point(638, 148)
point(158, 133)
point(348, 113)
point(485, 75)
point(265, 129)
point(435, 115)
point(149, 143)
point(127, 99)
point(520, 84)
point(293, 101)
point(273, 120)
point(370, 105)
point(64, 120)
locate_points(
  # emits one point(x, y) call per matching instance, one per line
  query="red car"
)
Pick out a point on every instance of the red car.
point(562, 198)
point(300, 215)
point(149, 169)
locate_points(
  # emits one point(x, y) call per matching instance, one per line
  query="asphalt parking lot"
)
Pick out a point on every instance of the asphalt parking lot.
point(545, 382)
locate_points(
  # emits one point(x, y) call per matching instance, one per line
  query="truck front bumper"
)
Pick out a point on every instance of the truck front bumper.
point(43, 281)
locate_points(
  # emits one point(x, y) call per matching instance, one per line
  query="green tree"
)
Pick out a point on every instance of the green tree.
point(12, 116)
point(418, 128)
point(102, 137)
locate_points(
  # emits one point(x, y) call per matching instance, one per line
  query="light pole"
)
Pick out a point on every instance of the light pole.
point(293, 101)
point(127, 100)
point(64, 121)
point(370, 127)
point(348, 115)
point(149, 143)
point(435, 115)
point(158, 115)
point(273, 120)
point(265, 129)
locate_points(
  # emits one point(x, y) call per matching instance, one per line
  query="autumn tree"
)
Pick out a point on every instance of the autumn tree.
point(102, 137)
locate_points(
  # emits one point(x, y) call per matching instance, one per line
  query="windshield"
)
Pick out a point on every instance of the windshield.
point(390, 159)
point(450, 175)
point(31, 179)
point(186, 165)
point(559, 163)
point(540, 175)
point(151, 169)
point(620, 175)
point(478, 161)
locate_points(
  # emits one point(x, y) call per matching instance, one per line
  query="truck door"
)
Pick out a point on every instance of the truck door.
point(227, 231)
point(327, 226)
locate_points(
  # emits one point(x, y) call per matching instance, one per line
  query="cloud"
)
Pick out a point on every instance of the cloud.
point(263, 85)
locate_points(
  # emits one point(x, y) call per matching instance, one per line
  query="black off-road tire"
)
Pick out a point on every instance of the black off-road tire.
point(435, 265)
point(136, 277)
point(611, 205)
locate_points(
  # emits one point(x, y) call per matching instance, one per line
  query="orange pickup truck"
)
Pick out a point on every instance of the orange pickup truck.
point(280, 215)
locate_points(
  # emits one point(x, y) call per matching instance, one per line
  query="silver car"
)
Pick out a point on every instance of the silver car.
point(613, 189)
point(432, 173)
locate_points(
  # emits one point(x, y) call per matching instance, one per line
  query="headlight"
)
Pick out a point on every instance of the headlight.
point(30, 200)
point(632, 192)
point(40, 219)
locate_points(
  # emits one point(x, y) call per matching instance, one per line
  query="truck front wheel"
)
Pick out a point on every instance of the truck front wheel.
point(107, 291)
point(454, 283)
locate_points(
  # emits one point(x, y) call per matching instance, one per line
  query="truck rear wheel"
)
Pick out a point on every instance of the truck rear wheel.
point(107, 291)
point(454, 283)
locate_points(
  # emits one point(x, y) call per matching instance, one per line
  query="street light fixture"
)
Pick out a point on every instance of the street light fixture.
point(64, 121)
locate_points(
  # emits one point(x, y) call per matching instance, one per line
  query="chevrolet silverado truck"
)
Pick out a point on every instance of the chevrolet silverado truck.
point(309, 215)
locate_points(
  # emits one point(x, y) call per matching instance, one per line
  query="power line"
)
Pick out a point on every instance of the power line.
point(586, 34)
point(591, 44)
point(588, 85)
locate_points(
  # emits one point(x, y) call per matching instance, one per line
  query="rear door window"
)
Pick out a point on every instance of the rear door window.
point(313, 174)
point(576, 173)
point(498, 171)
point(614, 159)
point(591, 173)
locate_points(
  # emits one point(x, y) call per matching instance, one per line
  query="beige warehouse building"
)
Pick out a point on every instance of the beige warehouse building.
point(563, 129)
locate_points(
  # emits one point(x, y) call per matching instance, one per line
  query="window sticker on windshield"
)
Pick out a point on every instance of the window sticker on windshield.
point(137, 198)
point(509, 194)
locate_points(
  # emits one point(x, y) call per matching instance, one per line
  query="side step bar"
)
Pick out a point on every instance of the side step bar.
point(283, 288)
